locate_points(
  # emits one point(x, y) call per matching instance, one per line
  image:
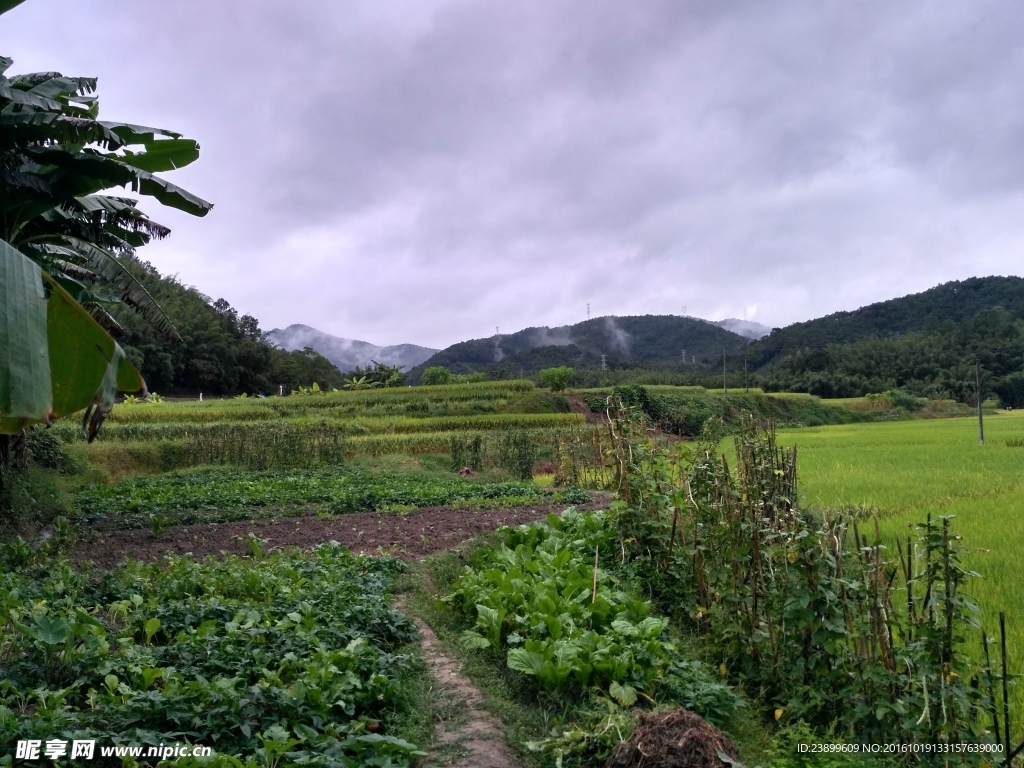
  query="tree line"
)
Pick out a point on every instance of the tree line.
point(220, 352)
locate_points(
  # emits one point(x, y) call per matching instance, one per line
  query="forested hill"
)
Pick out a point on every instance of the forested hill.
point(623, 340)
point(932, 344)
point(930, 311)
point(220, 352)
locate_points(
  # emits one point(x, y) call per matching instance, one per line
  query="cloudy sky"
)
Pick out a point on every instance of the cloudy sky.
point(423, 171)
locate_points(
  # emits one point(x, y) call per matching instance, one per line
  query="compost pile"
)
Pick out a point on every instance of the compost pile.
point(674, 738)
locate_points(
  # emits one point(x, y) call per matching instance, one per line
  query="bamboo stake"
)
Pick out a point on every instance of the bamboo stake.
point(1006, 699)
point(991, 687)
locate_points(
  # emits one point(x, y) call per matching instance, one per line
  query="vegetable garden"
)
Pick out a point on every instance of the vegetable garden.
point(706, 598)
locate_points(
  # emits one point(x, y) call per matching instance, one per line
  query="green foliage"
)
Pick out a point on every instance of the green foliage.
point(1010, 390)
point(803, 612)
point(47, 451)
point(933, 312)
point(220, 494)
point(376, 375)
point(288, 657)
point(895, 399)
point(539, 606)
point(536, 601)
point(651, 340)
point(467, 452)
point(685, 411)
point(518, 453)
point(59, 357)
point(468, 378)
point(555, 379)
point(221, 353)
point(355, 384)
point(938, 363)
point(434, 375)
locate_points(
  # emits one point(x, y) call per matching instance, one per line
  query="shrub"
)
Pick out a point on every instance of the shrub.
point(436, 374)
point(556, 379)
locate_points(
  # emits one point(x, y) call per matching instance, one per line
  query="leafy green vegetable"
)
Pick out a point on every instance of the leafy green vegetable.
point(229, 494)
point(297, 658)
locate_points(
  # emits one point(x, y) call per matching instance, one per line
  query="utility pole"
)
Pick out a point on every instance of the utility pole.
point(725, 384)
point(977, 384)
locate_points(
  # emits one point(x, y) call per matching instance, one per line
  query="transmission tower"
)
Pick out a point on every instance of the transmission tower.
point(588, 310)
point(604, 362)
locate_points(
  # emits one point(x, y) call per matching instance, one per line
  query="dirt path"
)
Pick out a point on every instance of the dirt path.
point(409, 536)
point(465, 735)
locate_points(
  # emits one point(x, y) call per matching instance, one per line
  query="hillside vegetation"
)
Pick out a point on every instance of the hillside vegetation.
point(624, 341)
point(926, 345)
point(220, 353)
point(952, 302)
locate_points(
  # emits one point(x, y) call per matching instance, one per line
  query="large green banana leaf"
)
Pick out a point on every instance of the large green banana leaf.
point(55, 359)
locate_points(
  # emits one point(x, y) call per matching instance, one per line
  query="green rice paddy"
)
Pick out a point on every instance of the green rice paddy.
point(907, 469)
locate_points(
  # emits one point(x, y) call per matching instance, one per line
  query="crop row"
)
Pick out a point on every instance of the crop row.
point(287, 447)
point(320, 428)
point(219, 494)
point(286, 653)
point(401, 400)
point(540, 605)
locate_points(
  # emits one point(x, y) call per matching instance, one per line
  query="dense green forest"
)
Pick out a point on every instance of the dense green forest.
point(928, 312)
point(938, 363)
point(220, 353)
point(927, 344)
point(658, 341)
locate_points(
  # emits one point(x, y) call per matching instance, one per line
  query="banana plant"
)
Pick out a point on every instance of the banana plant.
point(59, 243)
point(56, 358)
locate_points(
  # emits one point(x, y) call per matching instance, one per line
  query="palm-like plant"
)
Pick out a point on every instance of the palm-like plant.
point(361, 382)
point(59, 242)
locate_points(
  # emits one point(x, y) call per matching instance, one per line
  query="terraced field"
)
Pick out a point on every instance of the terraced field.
point(323, 430)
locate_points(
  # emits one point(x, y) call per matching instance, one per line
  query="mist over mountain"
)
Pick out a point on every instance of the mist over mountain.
point(619, 340)
point(347, 354)
point(747, 328)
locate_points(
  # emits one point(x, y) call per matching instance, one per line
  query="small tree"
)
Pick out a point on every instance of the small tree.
point(436, 374)
point(556, 379)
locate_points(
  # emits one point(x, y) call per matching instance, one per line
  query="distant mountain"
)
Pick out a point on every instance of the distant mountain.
point(621, 340)
point(950, 303)
point(747, 328)
point(347, 354)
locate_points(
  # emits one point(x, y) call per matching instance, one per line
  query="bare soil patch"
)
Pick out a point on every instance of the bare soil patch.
point(410, 535)
point(578, 405)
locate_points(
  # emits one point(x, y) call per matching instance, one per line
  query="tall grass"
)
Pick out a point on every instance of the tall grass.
point(351, 426)
point(399, 399)
point(286, 447)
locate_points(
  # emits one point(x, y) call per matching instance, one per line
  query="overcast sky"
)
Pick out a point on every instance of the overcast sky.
point(424, 171)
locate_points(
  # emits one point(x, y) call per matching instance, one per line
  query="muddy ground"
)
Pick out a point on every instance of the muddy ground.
point(409, 536)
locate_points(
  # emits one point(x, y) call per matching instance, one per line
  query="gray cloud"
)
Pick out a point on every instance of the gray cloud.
point(423, 171)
